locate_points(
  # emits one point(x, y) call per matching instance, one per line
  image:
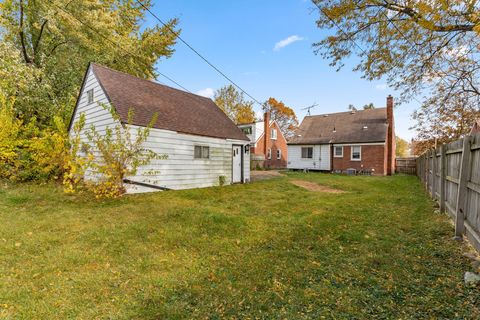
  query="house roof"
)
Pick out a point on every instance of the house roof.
point(343, 127)
point(177, 110)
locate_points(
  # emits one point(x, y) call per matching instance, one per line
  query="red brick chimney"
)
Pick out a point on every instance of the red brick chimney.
point(266, 128)
point(390, 143)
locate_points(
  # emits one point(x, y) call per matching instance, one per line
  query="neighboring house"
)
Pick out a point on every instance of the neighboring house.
point(361, 140)
point(268, 146)
point(201, 142)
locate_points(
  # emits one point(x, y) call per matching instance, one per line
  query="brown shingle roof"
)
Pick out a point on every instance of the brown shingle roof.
point(177, 110)
point(349, 128)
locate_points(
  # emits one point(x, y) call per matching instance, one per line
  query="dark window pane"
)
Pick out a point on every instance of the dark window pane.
point(90, 96)
point(307, 152)
point(198, 152)
point(206, 152)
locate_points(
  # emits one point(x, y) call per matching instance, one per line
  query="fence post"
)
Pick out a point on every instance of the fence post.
point(443, 160)
point(427, 159)
point(434, 174)
point(462, 188)
point(429, 181)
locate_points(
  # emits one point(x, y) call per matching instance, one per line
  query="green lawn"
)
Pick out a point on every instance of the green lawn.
point(264, 250)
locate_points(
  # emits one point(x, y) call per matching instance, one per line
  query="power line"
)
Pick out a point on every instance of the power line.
point(117, 45)
point(197, 53)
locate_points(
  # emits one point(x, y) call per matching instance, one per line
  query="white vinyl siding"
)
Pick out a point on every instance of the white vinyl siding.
point(95, 113)
point(320, 158)
point(181, 170)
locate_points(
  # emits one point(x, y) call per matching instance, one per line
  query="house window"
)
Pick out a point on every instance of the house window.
point(279, 154)
point(202, 152)
point(269, 154)
point(274, 134)
point(338, 152)
point(307, 152)
point(247, 130)
point(356, 153)
point(90, 96)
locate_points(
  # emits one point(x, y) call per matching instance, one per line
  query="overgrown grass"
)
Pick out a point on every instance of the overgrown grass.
point(265, 250)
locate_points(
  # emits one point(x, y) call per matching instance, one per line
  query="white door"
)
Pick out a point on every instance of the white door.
point(237, 164)
point(325, 157)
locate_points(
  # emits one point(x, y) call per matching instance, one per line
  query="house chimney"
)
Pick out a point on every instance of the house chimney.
point(390, 143)
point(266, 128)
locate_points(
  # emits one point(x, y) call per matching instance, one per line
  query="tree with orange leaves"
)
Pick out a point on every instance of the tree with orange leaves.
point(283, 115)
point(233, 103)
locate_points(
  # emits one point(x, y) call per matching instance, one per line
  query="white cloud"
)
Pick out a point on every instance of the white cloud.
point(207, 92)
point(382, 86)
point(285, 42)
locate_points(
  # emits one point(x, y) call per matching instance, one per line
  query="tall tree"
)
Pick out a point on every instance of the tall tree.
point(234, 104)
point(421, 48)
point(402, 147)
point(284, 115)
point(443, 125)
point(55, 40)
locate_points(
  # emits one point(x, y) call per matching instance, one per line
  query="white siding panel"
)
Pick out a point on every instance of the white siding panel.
point(95, 113)
point(180, 170)
point(319, 161)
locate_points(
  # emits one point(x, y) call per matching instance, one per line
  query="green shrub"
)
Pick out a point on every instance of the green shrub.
point(111, 156)
point(27, 152)
point(221, 180)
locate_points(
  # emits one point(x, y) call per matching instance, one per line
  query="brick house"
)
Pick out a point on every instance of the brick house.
point(268, 146)
point(363, 141)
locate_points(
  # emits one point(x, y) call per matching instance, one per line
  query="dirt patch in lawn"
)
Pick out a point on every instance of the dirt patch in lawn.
point(312, 186)
point(257, 175)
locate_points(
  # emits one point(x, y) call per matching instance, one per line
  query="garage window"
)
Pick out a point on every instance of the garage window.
point(307, 152)
point(202, 152)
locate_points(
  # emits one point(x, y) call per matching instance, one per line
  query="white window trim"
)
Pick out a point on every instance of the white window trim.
point(351, 153)
point(272, 136)
point(335, 154)
point(269, 154)
point(279, 154)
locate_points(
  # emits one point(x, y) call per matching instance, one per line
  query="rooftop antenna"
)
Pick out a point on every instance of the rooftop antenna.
point(309, 108)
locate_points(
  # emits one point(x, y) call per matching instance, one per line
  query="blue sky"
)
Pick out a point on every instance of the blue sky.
point(244, 39)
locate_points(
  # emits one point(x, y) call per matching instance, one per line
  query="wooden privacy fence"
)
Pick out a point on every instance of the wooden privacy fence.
point(406, 165)
point(451, 174)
